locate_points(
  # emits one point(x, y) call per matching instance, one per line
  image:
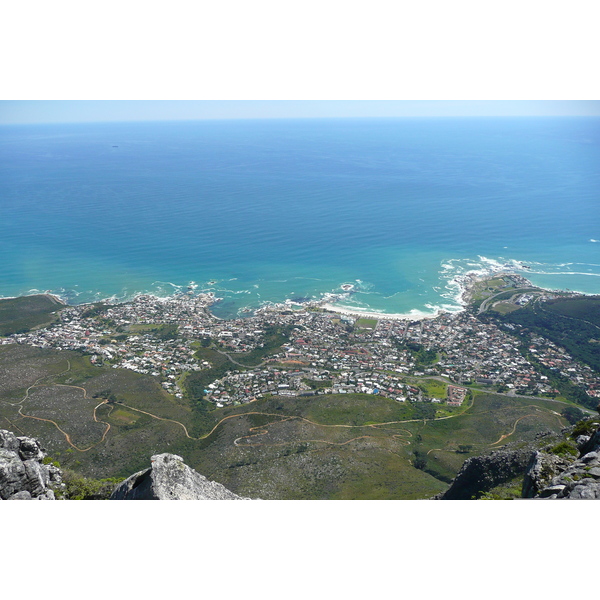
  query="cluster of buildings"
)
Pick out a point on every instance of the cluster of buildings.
point(324, 352)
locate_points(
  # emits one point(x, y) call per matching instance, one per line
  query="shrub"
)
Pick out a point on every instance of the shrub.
point(78, 487)
point(564, 449)
point(585, 427)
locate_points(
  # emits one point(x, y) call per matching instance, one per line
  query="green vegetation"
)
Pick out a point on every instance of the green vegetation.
point(366, 323)
point(323, 446)
point(572, 414)
point(18, 315)
point(586, 308)
point(317, 385)
point(504, 308)
point(105, 424)
point(573, 323)
point(67, 391)
point(433, 388)
point(274, 337)
point(78, 487)
point(585, 427)
point(423, 357)
point(510, 490)
point(93, 310)
point(573, 333)
point(196, 382)
point(352, 446)
point(564, 449)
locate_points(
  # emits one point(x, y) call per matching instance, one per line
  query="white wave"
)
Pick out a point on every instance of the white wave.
point(566, 273)
point(412, 315)
point(594, 241)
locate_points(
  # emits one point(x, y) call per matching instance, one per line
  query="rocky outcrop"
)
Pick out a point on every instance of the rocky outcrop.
point(481, 473)
point(560, 469)
point(579, 479)
point(542, 468)
point(23, 476)
point(169, 478)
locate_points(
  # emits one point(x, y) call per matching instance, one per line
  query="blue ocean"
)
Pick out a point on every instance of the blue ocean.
point(262, 211)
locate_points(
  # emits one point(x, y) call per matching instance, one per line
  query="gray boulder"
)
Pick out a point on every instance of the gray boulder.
point(480, 474)
point(23, 476)
point(542, 468)
point(169, 478)
point(579, 481)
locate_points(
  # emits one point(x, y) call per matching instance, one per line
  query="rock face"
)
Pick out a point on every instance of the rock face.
point(481, 473)
point(542, 468)
point(23, 476)
point(169, 478)
point(546, 474)
point(579, 479)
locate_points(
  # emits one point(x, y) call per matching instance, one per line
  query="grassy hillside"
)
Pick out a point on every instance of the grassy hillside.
point(105, 422)
point(573, 323)
point(18, 315)
point(62, 399)
point(585, 308)
point(357, 446)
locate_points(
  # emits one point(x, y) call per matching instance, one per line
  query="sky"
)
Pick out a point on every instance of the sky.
point(68, 111)
point(83, 62)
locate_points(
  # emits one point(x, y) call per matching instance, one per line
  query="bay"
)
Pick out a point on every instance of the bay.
point(266, 210)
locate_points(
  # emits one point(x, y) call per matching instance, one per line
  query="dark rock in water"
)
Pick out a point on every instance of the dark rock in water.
point(169, 478)
point(23, 476)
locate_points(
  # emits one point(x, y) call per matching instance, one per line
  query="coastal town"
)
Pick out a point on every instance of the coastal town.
point(323, 352)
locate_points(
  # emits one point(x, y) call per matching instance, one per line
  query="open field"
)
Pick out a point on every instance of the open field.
point(503, 308)
point(366, 323)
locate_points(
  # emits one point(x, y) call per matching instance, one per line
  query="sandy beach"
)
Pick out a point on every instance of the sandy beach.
point(466, 284)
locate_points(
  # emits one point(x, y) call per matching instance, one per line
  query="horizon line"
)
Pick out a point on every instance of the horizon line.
point(305, 118)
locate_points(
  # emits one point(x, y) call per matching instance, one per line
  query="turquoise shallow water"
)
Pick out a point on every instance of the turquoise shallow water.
point(263, 211)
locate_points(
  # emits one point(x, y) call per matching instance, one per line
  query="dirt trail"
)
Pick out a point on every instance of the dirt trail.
point(263, 429)
point(537, 408)
point(67, 436)
point(504, 436)
point(77, 387)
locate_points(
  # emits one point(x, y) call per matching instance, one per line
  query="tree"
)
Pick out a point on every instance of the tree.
point(420, 461)
point(572, 414)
